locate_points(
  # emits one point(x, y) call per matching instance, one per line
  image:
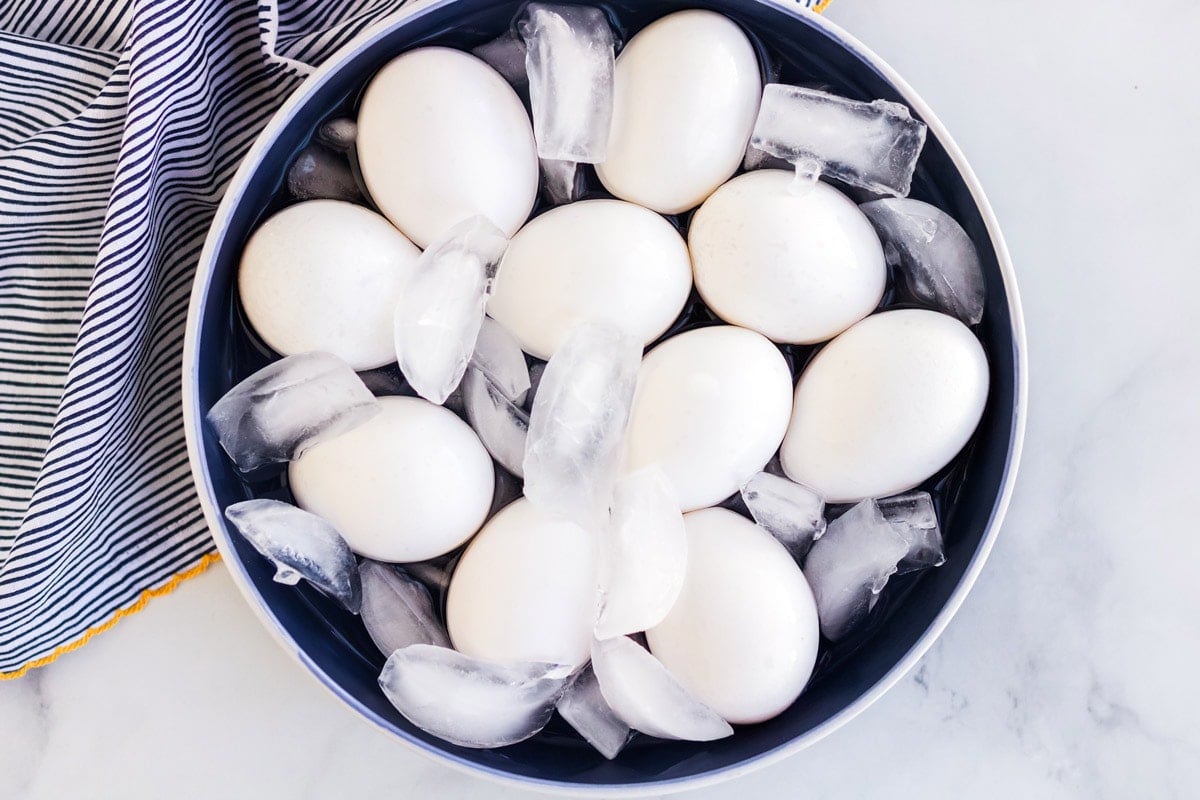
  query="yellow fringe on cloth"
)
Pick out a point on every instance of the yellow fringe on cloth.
point(145, 597)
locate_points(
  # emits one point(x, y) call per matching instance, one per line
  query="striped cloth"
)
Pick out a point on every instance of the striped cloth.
point(121, 122)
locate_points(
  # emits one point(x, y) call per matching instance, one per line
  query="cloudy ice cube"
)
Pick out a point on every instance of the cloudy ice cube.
point(434, 574)
point(935, 255)
point(468, 701)
point(501, 425)
point(583, 706)
point(643, 555)
point(640, 691)
point(498, 356)
point(300, 545)
point(318, 173)
point(874, 145)
point(562, 181)
point(441, 308)
point(757, 159)
point(848, 567)
point(338, 134)
point(397, 609)
point(577, 426)
point(288, 406)
point(791, 512)
point(912, 515)
point(506, 55)
point(569, 60)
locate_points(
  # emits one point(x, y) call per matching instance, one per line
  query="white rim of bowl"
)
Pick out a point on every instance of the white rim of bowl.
point(193, 418)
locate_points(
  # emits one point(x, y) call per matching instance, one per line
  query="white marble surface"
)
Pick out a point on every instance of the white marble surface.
point(1070, 671)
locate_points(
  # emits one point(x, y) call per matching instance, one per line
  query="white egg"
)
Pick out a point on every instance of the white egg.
point(685, 95)
point(594, 260)
point(442, 137)
point(326, 275)
point(743, 635)
point(710, 409)
point(795, 268)
point(885, 405)
point(525, 590)
point(412, 483)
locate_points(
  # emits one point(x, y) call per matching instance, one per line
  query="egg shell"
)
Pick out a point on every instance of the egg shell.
point(795, 268)
point(525, 590)
point(685, 94)
point(598, 260)
point(710, 408)
point(743, 635)
point(442, 137)
point(326, 275)
point(410, 484)
point(885, 405)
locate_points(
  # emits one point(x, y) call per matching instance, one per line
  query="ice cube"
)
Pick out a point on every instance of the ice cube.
point(501, 425)
point(338, 134)
point(569, 60)
point(441, 308)
point(757, 159)
point(640, 691)
point(300, 545)
point(498, 356)
point(577, 426)
point(318, 173)
point(470, 702)
point(397, 609)
point(506, 55)
point(643, 555)
point(871, 145)
point(848, 567)
point(583, 706)
point(791, 512)
point(936, 256)
point(912, 514)
point(288, 406)
point(562, 181)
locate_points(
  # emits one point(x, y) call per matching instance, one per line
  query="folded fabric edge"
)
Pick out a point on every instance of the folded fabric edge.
point(143, 599)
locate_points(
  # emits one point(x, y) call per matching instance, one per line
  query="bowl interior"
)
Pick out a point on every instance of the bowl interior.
point(334, 644)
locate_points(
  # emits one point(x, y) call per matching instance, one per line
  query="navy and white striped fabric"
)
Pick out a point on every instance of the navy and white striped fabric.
point(121, 121)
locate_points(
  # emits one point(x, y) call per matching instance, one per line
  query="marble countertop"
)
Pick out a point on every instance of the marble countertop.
point(1070, 670)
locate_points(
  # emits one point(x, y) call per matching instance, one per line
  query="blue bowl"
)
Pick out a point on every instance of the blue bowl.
point(333, 646)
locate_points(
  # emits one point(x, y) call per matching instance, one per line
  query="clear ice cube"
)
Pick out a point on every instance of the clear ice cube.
point(562, 181)
point(288, 406)
point(640, 691)
point(338, 134)
point(318, 173)
point(874, 145)
point(506, 55)
point(397, 609)
point(470, 702)
point(441, 308)
point(935, 255)
point(643, 555)
point(501, 425)
point(791, 512)
point(848, 567)
point(583, 706)
point(913, 516)
point(300, 545)
point(577, 426)
point(569, 60)
point(498, 356)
